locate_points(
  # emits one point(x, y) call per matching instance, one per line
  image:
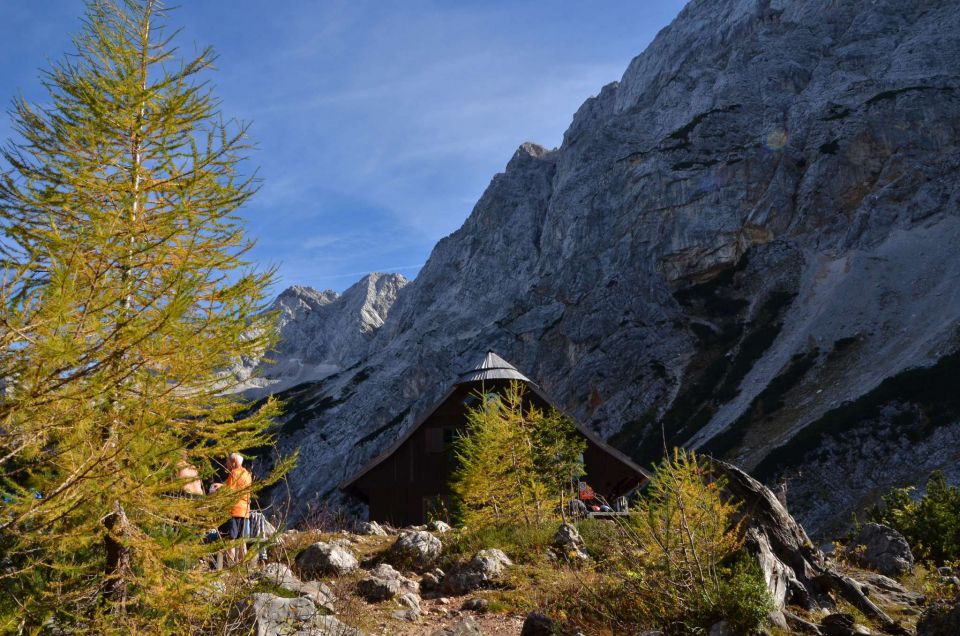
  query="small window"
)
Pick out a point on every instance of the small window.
point(449, 436)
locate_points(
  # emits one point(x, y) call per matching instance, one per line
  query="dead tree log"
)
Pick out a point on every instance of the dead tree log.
point(789, 560)
point(796, 571)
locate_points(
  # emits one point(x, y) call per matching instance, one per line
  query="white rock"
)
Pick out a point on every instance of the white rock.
point(322, 559)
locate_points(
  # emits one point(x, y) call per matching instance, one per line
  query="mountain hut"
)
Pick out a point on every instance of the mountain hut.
point(409, 483)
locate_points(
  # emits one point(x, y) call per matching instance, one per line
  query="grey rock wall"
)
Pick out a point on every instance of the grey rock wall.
point(747, 245)
point(321, 333)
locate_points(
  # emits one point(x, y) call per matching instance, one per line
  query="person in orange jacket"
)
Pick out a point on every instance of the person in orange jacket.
point(239, 480)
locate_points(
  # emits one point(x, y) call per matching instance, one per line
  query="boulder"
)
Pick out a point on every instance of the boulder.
point(537, 624)
point(476, 605)
point(322, 559)
point(466, 627)
point(431, 581)
point(419, 549)
point(839, 624)
point(439, 526)
point(889, 591)
point(940, 619)
point(383, 582)
point(883, 549)
point(409, 600)
point(268, 615)
point(411, 604)
point(568, 543)
point(481, 571)
point(281, 576)
point(721, 628)
point(371, 528)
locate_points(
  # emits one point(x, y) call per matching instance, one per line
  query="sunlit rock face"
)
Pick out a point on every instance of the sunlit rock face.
point(321, 333)
point(747, 245)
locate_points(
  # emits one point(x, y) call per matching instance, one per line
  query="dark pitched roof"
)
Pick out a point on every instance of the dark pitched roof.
point(492, 367)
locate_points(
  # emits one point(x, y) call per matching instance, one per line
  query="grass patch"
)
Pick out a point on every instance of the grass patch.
point(267, 587)
point(523, 544)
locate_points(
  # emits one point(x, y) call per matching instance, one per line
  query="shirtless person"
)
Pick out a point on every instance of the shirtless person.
point(190, 487)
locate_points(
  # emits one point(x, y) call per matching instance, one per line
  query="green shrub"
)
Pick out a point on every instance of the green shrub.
point(930, 524)
point(742, 600)
point(601, 537)
point(677, 564)
point(515, 463)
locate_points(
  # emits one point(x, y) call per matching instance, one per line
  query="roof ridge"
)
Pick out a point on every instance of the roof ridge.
point(492, 367)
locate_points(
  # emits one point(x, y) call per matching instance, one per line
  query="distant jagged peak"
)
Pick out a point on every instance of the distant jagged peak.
point(373, 296)
point(376, 282)
point(321, 332)
point(527, 151)
point(306, 294)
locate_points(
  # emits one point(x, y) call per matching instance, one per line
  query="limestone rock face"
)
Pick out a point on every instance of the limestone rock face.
point(748, 243)
point(321, 333)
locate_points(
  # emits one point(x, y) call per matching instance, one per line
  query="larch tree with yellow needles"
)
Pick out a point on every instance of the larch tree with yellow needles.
point(513, 462)
point(126, 296)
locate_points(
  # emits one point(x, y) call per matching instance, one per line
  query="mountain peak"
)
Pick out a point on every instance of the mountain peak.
point(322, 332)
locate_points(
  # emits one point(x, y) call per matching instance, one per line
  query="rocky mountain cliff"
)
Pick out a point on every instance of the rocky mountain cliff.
point(321, 333)
point(747, 245)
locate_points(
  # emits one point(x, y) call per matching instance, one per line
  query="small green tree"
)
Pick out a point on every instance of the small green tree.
point(125, 298)
point(930, 524)
point(676, 567)
point(513, 461)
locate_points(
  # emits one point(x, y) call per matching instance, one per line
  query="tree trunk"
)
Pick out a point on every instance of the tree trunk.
point(797, 573)
point(119, 558)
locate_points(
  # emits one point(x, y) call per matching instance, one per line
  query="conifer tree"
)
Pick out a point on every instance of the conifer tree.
point(513, 461)
point(126, 296)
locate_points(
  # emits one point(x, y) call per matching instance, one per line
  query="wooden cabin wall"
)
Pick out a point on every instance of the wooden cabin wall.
point(396, 489)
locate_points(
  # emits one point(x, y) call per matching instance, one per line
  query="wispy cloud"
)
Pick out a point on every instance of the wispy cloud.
point(380, 124)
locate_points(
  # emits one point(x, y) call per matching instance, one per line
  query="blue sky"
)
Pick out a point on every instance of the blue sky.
point(379, 124)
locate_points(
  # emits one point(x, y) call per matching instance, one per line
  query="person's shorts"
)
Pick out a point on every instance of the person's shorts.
point(233, 527)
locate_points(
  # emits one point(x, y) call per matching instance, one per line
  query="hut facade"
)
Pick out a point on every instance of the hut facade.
point(409, 482)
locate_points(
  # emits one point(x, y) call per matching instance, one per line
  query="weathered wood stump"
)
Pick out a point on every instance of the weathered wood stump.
point(796, 571)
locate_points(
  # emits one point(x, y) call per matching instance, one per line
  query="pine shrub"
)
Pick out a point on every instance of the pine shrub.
point(930, 523)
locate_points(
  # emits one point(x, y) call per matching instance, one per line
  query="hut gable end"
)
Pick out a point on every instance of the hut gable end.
point(409, 482)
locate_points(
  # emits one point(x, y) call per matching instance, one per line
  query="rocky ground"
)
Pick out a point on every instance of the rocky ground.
point(431, 580)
